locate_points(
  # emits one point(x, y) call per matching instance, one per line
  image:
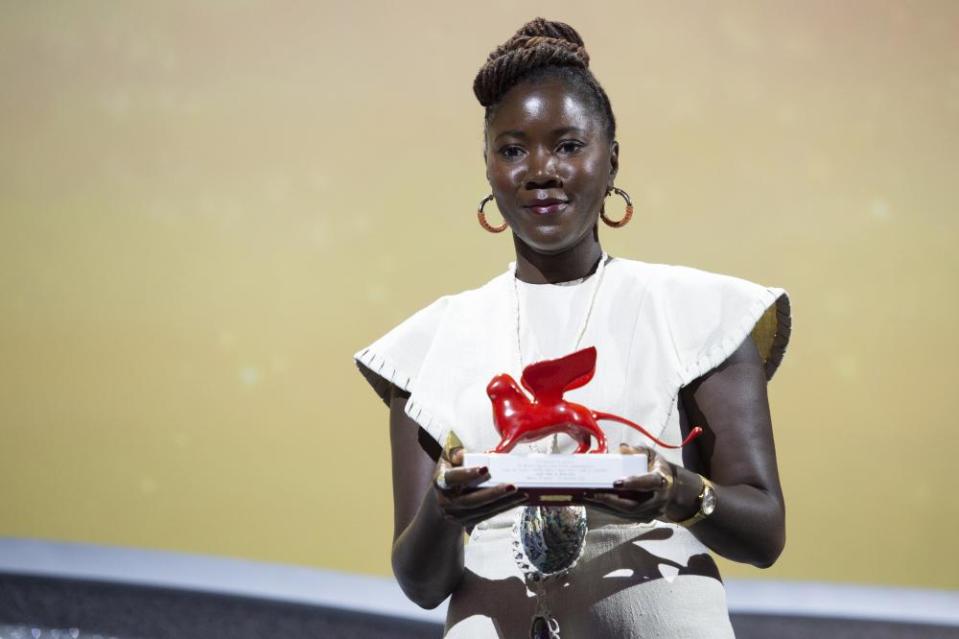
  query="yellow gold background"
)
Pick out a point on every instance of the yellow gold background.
point(205, 208)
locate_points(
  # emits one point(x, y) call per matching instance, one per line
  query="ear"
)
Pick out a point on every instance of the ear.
point(485, 160)
point(613, 162)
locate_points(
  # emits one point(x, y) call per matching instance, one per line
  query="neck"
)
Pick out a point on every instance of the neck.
point(576, 262)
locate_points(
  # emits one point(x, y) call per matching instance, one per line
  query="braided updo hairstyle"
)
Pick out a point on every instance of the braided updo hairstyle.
point(542, 50)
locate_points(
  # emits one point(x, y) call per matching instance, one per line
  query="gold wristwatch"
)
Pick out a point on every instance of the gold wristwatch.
point(707, 504)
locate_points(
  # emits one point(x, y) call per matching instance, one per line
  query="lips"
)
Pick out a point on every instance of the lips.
point(547, 206)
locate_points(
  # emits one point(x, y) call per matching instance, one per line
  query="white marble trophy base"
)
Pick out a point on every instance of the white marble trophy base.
point(563, 476)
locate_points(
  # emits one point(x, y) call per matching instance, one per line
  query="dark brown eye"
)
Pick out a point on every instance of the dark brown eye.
point(511, 152)
point(570, 146)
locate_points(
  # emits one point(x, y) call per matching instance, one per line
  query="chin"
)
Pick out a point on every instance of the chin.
point(551, 240)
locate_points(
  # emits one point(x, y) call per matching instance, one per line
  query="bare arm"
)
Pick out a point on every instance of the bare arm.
point(428, 524)
point(736, 452)
point(427, 554)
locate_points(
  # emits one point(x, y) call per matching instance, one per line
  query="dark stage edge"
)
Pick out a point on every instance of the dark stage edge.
point(138, 612)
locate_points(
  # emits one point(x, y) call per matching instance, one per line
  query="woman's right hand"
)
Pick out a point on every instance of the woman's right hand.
point(459, 498)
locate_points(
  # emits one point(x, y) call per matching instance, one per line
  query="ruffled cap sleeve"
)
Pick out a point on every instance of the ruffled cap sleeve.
point(397, 357)
point(710, 314)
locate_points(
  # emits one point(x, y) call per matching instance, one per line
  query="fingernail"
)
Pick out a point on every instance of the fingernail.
point(510, 488)
point(483, 470)
point(618, 483)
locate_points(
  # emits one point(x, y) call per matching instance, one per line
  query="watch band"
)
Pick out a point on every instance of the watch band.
point(706, 501)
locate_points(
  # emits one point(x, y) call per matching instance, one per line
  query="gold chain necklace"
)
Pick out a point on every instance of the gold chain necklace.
point(549, 540)
point(598, 274)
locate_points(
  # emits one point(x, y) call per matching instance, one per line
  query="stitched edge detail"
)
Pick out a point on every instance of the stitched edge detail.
point(380, 372)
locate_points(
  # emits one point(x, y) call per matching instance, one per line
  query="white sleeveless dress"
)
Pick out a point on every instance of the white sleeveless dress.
point(656, 328)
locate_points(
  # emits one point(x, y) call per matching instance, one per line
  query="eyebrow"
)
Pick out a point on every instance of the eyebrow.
point(555, 132)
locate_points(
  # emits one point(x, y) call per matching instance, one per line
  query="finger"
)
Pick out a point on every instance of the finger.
point(652, 459)
point(459, 477)
point(481, 497)
point(455, 456)
point(634, 501)
point(477, 505)
point(621, 504)
point(626, 449)
point(474, 513)
point(504, 504)
point(649, 482)
point(645, 499)
point(442, 465)
point(668, 473)
point(659, 463)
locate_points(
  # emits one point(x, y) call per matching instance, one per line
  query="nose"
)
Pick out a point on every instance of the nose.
point(542, 171)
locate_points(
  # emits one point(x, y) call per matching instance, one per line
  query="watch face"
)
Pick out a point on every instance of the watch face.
point(709, 502)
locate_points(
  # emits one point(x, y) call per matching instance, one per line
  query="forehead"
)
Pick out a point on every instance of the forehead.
point(541, 107)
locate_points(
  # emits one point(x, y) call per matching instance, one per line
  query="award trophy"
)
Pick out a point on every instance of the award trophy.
point(549, 535)
point(556, 478)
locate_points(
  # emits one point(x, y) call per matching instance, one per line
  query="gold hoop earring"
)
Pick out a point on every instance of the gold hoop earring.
point(629, 209)
point(484, 222)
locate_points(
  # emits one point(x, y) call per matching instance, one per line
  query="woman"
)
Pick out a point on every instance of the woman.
point(677, 346)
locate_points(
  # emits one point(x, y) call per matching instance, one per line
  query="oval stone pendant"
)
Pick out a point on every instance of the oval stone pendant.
point(552, 537)
point(548, 541)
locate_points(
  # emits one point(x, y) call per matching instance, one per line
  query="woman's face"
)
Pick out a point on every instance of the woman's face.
point(549, 164)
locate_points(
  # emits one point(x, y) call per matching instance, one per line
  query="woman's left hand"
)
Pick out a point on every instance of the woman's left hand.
point(640, 497)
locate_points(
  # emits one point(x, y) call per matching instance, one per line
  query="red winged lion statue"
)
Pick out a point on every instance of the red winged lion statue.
point(520, 419)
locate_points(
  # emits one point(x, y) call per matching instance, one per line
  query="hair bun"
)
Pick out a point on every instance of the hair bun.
point(538, 43)
point(541, 30)
point(551, 28)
